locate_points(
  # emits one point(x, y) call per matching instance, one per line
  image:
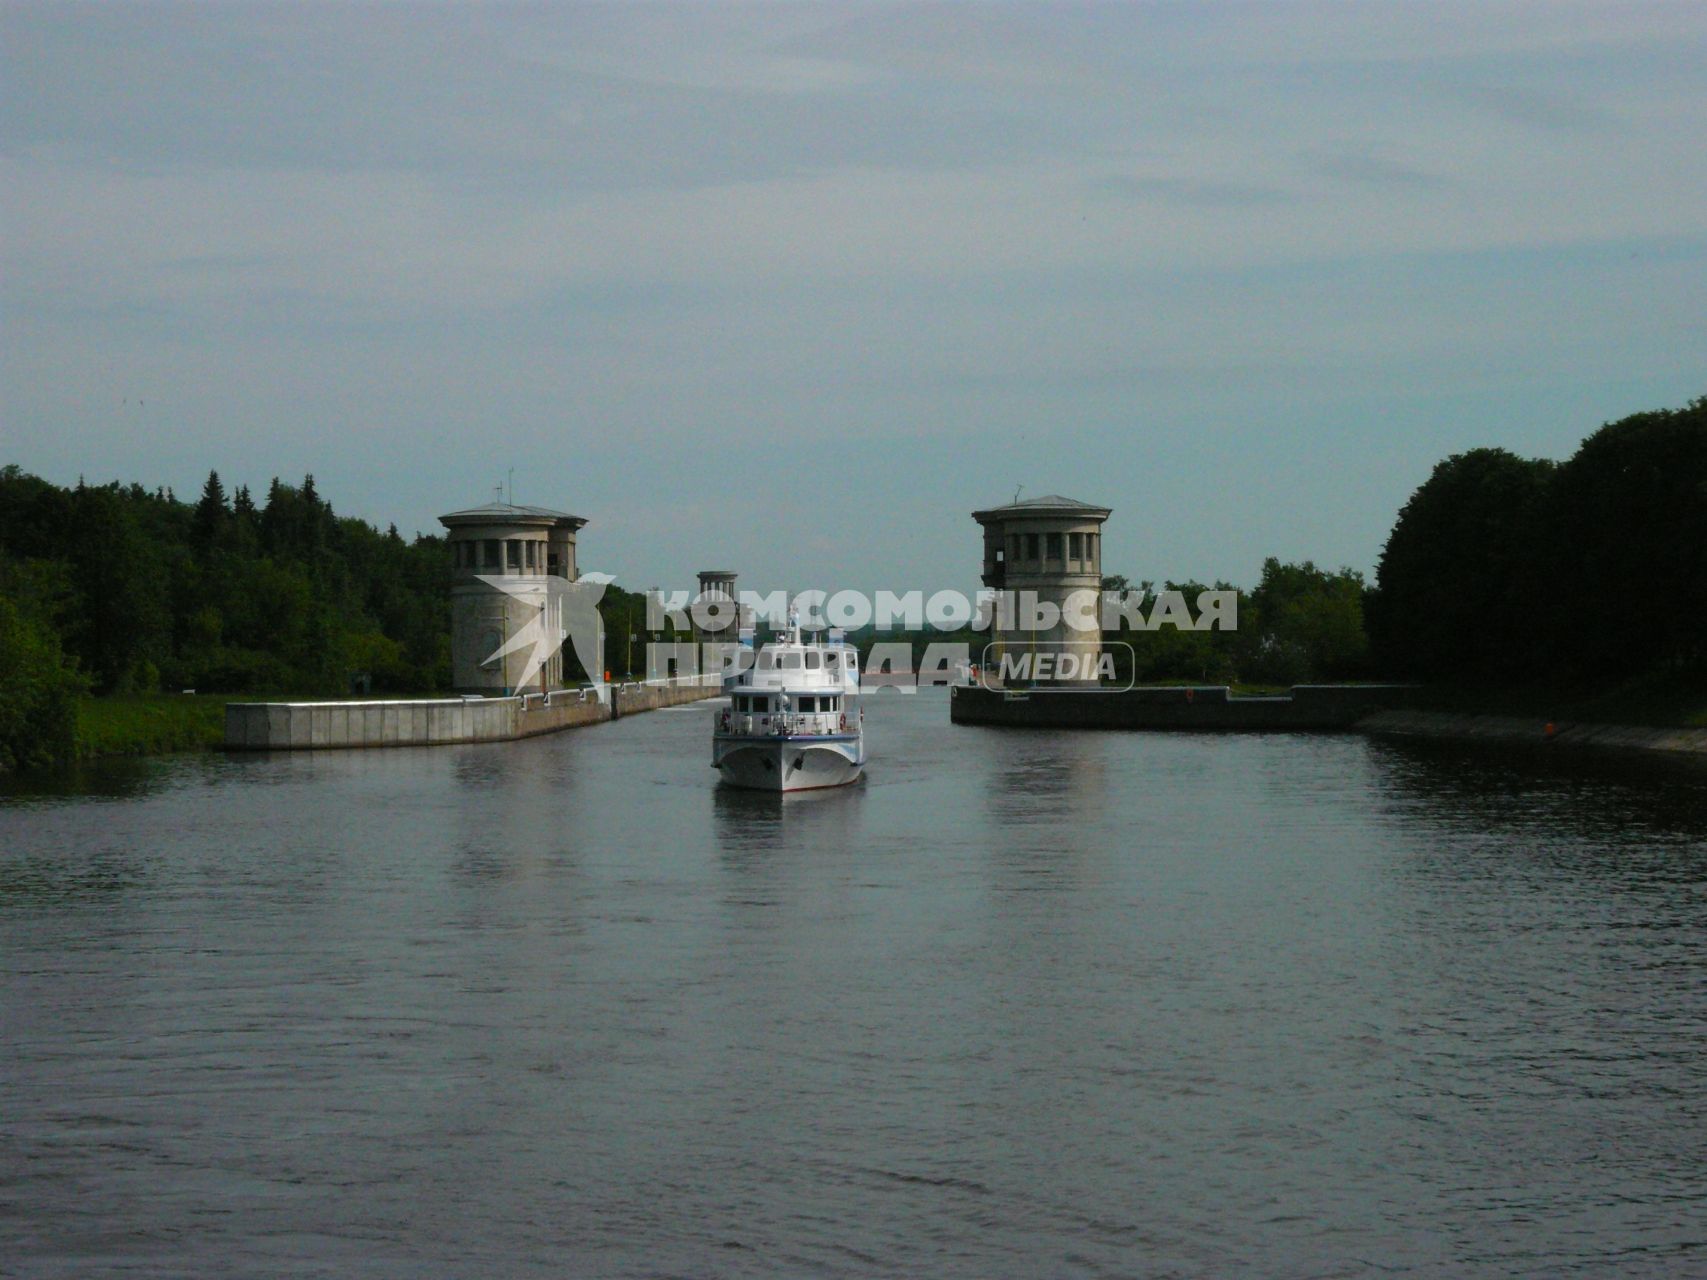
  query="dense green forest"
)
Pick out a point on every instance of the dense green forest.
point(1525, 574)
point(1499, 571)
point(120, 590)
point(1300, 623)
point(221, 595)
point(1588, 572)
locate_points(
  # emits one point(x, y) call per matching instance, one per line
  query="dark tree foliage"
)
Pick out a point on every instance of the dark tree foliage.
point(1595, 570)
point(1627, 537)
point(1302, 624)
point(212, 513)
point(1457, 583)
point(222, 597)
point(39, 685)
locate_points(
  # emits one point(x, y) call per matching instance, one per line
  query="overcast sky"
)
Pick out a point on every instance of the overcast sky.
point(792, 290)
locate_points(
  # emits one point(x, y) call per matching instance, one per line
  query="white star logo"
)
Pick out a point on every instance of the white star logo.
point(567, 610)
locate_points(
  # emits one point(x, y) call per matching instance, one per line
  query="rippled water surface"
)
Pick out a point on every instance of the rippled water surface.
point(1026, 1004)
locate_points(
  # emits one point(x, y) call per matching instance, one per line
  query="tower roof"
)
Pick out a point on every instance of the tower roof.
point(511, 513)
point(1047, 505)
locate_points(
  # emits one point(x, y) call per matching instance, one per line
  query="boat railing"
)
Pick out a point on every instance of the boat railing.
point(781, 724)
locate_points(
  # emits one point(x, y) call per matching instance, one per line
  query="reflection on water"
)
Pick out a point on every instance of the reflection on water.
point(1051, 1003)
point(1597, 796)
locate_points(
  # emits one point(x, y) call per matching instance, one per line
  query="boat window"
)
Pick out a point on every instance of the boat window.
point(808, 704)
point(761, 702)
point(767, 660)
point(831, 658)
point(790, 661)
point(813, 660)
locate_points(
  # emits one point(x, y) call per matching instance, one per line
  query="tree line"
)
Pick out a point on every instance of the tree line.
point(116, 589)
point(1585, 573)
point(1498, 569)
point(225, 594)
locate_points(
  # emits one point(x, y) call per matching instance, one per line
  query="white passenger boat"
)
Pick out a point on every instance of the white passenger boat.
point(794, 721)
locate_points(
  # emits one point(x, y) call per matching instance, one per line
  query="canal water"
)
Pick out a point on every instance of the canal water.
point(1020, 1004)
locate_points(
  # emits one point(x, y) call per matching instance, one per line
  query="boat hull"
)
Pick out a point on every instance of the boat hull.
point(788, 764)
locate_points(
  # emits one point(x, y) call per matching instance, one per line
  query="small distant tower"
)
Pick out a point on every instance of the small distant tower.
point(502, 540)
point(717, 643)
point(1051, 547)
point(718, 585)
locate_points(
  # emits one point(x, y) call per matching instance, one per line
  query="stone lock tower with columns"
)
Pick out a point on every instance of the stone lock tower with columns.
point(717, 589)
point(502, 540)
point(716, 586)
point(1046, 549)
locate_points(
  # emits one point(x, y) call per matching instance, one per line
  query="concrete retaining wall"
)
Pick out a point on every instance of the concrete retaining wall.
point(1533, 731)
point(1362, 708)
point(287, 726)
point(1202, 708)
point(629, 699)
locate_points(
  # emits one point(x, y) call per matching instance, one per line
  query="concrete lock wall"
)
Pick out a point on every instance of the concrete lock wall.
point(629, 699)
point(428, 722)
point(285, 726)
point(1534, 731)
point(1208, 708)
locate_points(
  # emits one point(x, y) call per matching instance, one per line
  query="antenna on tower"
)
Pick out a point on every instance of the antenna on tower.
point(511, 481)
point(1017, 489)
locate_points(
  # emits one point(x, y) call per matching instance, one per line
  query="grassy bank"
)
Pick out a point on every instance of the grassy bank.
point(146, 724)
